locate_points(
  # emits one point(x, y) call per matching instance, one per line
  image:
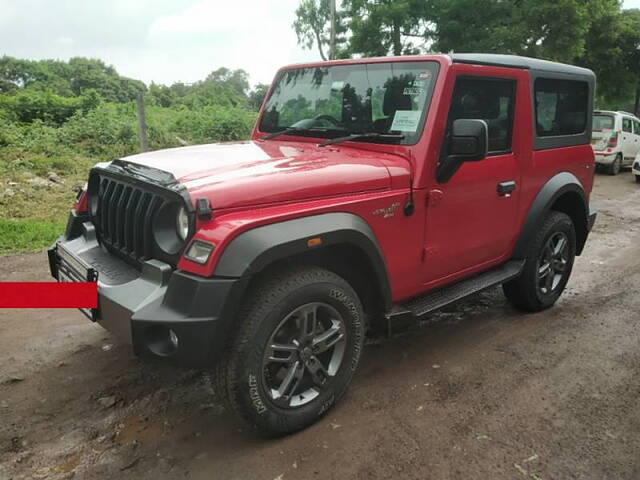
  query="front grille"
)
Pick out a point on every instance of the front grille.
point(123, 215)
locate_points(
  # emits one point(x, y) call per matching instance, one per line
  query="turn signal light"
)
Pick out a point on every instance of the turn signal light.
point(199, 251)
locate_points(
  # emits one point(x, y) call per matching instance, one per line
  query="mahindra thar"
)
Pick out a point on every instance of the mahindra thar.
point(372, 192)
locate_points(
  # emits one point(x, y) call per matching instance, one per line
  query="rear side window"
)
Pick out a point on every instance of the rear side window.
point(626, 124)
point(487, 99)
point(603, 122)
point(636, 127)
point(561, 107)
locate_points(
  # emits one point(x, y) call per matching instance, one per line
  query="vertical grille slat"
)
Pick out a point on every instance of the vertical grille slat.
point(154, 203)
point(138, 226)
point(104, 209)
point(120, 214)
point(129, 221)
point(113, 210)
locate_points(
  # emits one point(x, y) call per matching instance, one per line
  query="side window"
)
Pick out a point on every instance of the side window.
point(491, 100)
point(636, 127)
point(561, 107)
point(626, 124)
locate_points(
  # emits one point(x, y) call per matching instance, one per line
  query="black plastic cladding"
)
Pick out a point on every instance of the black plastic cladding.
point(255, 249)
point(161, 187)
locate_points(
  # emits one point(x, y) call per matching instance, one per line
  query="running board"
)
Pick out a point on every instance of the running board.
point(436, 299)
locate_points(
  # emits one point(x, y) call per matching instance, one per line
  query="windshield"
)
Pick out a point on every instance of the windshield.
point(603, 122)
point(384, 98)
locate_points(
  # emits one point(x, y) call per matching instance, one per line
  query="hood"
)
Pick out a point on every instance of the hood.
point(250, 173)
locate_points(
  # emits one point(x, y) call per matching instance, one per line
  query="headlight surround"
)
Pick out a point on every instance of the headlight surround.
point(171, 227)
point(182, 223)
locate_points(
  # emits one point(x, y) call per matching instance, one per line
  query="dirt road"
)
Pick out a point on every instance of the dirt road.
point(485, 392)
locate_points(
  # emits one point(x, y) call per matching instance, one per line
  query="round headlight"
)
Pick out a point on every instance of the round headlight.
point(182, 223)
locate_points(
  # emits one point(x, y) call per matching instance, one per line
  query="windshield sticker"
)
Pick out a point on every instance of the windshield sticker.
point(426, 74)
point(406, 120)
point(337, 85)
point(413, 91)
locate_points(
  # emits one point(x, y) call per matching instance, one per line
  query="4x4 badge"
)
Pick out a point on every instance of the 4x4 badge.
point(387, 212)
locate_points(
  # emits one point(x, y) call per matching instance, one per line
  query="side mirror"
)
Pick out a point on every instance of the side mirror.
point(469, 142)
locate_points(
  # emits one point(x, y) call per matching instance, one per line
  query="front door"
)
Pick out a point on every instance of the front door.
point(471, 219)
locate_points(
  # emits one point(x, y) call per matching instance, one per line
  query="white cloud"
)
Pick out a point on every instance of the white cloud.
point(157, 40)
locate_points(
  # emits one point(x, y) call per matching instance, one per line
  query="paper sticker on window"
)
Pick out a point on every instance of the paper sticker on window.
point(413, 91)
point(337, 85)
point(406, 120)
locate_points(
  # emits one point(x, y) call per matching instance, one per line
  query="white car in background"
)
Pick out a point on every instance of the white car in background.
point(615, 139)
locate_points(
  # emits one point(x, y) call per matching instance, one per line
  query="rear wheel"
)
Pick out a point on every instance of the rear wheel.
point(298, 344)
point(616, 166)
point(637, 178)
point(547, 267)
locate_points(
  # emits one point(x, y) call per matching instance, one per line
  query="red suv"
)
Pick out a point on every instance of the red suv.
point(372, 192)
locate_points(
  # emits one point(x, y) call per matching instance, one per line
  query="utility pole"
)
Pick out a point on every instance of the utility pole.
point(332, 35)
point(142, 123)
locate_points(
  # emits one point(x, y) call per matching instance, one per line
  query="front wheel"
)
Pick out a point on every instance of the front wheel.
point(547, 266)
point(297, 346)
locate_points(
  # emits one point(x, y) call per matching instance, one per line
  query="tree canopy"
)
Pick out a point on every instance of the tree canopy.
point(597, 34)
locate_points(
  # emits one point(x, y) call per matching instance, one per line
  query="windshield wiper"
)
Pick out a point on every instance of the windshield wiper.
point(292, 130)
point(356, 136)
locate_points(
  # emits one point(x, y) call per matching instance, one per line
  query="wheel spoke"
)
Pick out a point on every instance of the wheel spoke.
point(290, 382)
point(308, 322)
point(318, 372)
point(544, 269)
point(327, 339)
point(282, 353)
point(548, 281)
point(559, 246)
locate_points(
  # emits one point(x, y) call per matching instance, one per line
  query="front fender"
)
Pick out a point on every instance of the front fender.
point(255, 249)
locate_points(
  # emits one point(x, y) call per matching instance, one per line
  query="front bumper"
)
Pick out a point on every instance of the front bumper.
point(161, 311)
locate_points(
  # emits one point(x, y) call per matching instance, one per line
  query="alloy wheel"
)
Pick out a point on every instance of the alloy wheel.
point(304, 354)
point(552, 263)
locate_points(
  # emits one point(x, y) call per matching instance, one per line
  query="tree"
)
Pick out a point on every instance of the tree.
point(256, 97)
point(313, 27)
point(381, 27)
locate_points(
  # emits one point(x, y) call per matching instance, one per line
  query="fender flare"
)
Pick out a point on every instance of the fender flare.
point(555, 187)
point(253, 250)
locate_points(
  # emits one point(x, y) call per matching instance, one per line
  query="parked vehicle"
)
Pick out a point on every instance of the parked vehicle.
point(635, 169)
point(372, 192)
point(615, 139)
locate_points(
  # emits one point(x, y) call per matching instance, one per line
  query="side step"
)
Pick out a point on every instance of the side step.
point(436, 299)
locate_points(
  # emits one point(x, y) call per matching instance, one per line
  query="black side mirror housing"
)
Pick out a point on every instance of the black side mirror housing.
point(469, 142)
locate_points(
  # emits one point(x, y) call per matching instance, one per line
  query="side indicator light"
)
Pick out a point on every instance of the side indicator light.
point(314, 242)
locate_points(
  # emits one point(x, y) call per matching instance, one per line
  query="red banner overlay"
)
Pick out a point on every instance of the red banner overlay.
point(48, 295)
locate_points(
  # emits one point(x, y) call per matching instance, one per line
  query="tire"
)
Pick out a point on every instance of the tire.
point(534, 291)
point(616, 166)
point(637, 178)
point(251, 378)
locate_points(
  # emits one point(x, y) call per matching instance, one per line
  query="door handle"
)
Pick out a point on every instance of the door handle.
point(505, 188)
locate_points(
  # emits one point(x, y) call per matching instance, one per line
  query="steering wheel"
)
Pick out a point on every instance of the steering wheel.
point(328, 118)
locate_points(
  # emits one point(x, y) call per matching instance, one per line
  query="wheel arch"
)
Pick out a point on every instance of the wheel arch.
point(347, 247)
point(563, 193)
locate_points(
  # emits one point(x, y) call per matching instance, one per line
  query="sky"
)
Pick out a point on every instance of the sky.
point(163, 41)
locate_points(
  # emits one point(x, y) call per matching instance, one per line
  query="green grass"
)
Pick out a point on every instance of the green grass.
point(27, 235)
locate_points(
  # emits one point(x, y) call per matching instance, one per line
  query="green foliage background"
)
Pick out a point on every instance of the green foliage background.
point(58, 119)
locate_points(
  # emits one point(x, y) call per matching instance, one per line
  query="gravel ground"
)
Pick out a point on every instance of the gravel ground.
point(485, 392)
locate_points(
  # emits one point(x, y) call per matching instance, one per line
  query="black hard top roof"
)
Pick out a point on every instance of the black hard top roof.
point(515, 61)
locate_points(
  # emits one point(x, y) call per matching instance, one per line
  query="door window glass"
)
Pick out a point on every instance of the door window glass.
point(626, 124)
point(491, 100)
